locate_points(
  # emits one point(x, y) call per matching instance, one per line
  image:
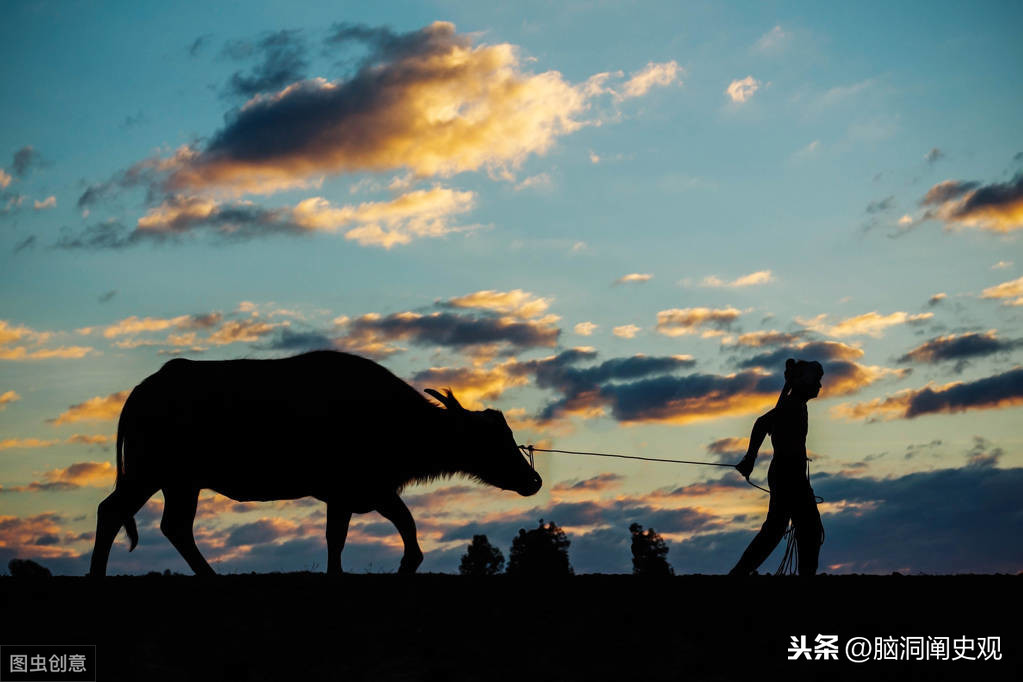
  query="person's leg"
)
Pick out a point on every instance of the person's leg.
point(766, 540)
point(807, 520)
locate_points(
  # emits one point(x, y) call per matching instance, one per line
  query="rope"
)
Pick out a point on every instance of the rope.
point(529, 449)
point(789, 561)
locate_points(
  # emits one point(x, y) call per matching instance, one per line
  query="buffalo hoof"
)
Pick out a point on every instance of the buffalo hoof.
point(409, 564)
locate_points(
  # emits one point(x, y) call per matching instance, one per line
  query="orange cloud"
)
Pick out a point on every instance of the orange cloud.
point(9, 443)
point(21, 334)
point(39, 537)
point(1013, 289)
point(439, 107)
point(85, 439)
point(515, 302)
point(584, 328)
point(681, 321)
point(996, 207)
point(870, 324)
point(993, 392)
point(7, 398)
point(99, 408)
point(471, 385)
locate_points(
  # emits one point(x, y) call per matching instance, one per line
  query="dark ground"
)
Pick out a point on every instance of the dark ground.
point(443, 627)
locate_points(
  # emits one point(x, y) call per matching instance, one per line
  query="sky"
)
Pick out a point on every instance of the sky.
point(613, 221)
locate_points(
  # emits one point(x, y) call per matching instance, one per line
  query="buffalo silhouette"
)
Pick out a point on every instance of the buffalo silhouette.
point(331, 425)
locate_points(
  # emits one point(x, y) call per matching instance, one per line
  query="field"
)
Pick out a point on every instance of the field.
point(443, 627)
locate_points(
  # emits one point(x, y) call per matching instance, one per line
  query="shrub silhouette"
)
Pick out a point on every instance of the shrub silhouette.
point(648, 552)
point(481, 558)
point(542, 551)
point(26, 568)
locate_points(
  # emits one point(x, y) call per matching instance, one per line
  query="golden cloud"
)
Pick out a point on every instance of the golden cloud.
point(440, 108)
point(870, 324)
point(10, 334)
point(584, 328)
point(9, 443)
point(471, 385)
point(98, 408)
point(7, 398)
point(515, 302)
point(1011, 289)
point(681, 321)
point(996, 207)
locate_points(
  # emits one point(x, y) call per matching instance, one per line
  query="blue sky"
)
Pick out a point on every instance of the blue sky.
point(839, 183)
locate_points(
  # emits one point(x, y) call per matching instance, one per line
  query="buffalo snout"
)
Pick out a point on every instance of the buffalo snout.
point(532, 486)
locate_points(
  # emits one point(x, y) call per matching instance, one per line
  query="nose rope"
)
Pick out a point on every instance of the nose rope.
point(530, 449)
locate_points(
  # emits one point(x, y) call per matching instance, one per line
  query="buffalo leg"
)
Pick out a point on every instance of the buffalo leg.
point(111, 515)
point(337, 532)
point(176, 524)
point(395, 511)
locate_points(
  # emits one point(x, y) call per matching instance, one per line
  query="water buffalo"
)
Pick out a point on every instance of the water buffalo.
point(330, 425)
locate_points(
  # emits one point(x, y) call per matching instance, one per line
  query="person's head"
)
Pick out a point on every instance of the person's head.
point(803, 378)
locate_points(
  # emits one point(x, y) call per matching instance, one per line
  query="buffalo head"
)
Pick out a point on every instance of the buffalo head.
point(487, 443)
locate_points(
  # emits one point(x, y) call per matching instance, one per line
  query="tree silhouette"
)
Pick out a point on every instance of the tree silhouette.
point(648, 552)
point(542, 551)
point(481, 558)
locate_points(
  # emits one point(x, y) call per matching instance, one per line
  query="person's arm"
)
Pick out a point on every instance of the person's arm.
point(761, 427)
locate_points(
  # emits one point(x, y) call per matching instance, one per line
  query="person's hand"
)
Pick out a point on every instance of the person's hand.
point(745, 467)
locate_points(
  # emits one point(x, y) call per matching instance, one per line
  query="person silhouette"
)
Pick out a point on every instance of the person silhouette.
point(789, 474)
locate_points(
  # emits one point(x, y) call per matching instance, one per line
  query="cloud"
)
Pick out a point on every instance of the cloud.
point(135, 325)
point(1011, 289)
point(8, 397)
point(472, 385)
point(282, 61)
point(741, 90)
point(634, 277)
point(996, 207)
point(427, 101)
point(869, 324)
point(934, 156)
point(98, 408)
point(584, 328)
point(516, 302)
point(774, 41)
point(581, 389)
point(24, 160)
point(1002, 265)
point(842, 374)
point(960, 348)
point(80, 474)
point(86, 439)
point(651, 75)
point(416, 214)
point(752, 279)
point(37, 536)
point(626, 331)
point(48, 202)
point(5, 179)
point(993, 392)
point(598, 483)
point(374, 333)
point(681, 321)
point(881, 205)
point(11, 335)
point(10, 443)
point(771, 337)
point(936, 299)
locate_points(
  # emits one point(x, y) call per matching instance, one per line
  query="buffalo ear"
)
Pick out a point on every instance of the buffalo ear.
point(447, 401)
